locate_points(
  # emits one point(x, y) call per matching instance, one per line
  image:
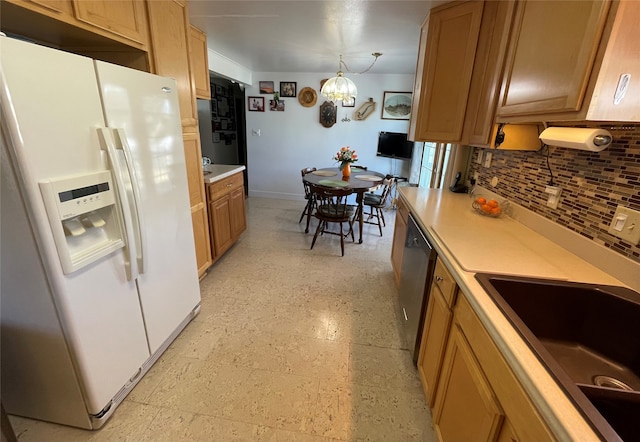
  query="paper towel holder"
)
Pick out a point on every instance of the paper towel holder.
point(589, 139)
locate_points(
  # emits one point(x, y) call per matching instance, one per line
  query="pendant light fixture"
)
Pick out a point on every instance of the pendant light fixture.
point(340, 87)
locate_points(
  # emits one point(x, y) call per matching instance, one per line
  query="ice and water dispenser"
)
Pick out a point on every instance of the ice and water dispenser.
point(84, 218)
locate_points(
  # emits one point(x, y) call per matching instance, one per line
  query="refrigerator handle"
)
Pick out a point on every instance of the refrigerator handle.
point(138, 215)
point(107, 144)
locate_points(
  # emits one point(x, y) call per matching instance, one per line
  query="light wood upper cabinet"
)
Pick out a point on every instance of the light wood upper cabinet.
point(63, 7)
point(567, 61)
point(126, 18)
point(459, 69)
point(169, 26)
point(200, 63)
point(80, 26)
point(449, 54)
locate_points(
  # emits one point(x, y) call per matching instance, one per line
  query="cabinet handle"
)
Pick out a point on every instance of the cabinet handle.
point(439, 278)
point(229, 185)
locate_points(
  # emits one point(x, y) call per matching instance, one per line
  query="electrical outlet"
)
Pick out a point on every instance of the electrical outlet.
point(554, 196)
point(626, 225)
point(487, 159)
point(479, 157)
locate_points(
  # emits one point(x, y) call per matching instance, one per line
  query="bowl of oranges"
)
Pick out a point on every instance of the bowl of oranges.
point(487, 206)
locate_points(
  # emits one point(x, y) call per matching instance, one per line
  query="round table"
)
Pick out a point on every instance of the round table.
point(322, 177)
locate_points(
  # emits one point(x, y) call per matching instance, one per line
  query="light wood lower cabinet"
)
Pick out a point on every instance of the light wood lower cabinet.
point(466, 408)
point(473, 393)
point(227, 215)
point(436, 330)
point(399, 235)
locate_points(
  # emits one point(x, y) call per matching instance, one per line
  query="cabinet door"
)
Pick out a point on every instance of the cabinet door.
point(449, 57)
point(125, 18)
point(551, 55)
point(466, 408)
point(62, 7)
point(199, 219)
point(237, 214)
point(200, 63)
point(197, 201)
point(434, 341)
point(221, 224)
point(399, 235)
point(168, 20)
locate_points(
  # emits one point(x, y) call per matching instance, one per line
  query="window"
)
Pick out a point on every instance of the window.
point(435, 160)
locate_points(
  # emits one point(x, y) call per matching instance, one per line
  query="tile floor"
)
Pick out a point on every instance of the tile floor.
point(291, 344)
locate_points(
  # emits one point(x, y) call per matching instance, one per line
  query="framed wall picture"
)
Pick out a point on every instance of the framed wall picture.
point(396, 105)
point(288, 89)
point(266, 87)
point(276, 105)
point(256, 104)
point(349, 103)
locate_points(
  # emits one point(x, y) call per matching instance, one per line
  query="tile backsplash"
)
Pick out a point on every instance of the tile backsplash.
point(593, 184)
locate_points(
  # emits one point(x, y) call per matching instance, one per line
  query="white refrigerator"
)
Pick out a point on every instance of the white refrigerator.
point(98, 262)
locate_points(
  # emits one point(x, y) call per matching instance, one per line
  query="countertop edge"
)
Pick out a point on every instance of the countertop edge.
point(221, 171)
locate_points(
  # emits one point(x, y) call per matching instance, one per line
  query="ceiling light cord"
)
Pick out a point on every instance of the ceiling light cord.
point(346, 68)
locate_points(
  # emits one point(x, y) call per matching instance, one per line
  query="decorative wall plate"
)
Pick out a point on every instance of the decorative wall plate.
point(365, 110)
point(307, 96)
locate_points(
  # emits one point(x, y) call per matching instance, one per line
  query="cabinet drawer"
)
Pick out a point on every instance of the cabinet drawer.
point(445, 282)
point(224, 186)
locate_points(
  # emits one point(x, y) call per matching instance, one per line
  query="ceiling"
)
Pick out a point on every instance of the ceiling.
point(309, 35)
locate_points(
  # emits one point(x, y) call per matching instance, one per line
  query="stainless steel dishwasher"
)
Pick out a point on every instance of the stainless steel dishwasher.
point(418, 262)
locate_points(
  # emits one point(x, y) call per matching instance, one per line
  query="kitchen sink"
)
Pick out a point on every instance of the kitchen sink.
point(588, 337)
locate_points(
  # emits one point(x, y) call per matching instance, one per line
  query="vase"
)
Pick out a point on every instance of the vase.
point(346, 170)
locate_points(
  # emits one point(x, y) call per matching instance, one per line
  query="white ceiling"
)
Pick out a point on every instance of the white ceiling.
point(310, 35)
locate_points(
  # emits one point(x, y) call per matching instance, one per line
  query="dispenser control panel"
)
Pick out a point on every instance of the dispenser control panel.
point(80, 194)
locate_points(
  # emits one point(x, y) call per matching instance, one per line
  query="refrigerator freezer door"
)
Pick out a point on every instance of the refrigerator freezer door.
point(51, 108)
point(142, 110)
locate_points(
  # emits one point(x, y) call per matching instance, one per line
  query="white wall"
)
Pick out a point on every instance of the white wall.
point(295, 139)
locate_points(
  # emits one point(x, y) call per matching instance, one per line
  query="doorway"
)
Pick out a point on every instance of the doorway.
point(222, 123)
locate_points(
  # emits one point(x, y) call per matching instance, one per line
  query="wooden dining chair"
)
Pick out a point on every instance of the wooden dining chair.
point(375, 203)
point(308, 208)
point(332, 207)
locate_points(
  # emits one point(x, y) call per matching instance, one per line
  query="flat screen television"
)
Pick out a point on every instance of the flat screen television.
point(394, 145)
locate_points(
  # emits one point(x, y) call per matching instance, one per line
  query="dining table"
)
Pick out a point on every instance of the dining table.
point(360, 181)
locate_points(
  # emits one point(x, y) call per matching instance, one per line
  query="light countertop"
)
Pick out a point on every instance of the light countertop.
point(468, 243)
point(216, 172)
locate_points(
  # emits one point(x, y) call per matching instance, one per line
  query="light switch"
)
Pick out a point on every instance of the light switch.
point(626, 225)
point(618, 222)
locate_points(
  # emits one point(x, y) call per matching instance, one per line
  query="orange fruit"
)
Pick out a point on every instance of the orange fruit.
point(495, 210)
point(486, 208)
point(492, 203)
point(481, 200)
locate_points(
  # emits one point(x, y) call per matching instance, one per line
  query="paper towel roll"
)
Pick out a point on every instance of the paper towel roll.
point(594, 140)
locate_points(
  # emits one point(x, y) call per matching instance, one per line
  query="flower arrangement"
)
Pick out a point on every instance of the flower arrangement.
point(345, 156)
